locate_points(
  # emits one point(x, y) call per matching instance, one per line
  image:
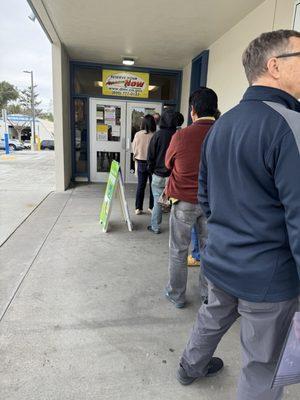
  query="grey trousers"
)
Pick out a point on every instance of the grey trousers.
point(182, 218)
point(263, 329)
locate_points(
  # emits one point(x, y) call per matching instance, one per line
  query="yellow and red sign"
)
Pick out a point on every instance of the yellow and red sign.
point(125, 83)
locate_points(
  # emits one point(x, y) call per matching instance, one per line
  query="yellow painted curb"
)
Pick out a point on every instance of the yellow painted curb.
point(5, 157)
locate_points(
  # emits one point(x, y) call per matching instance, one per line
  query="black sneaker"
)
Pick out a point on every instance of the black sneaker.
point(214, 366)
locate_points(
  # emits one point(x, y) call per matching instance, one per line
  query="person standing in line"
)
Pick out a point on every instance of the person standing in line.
point(156, 164)
point(250, 192)
point(156, 117)
point(140, 146)
point(193, 259)
point(179, 119)
point(182, 159)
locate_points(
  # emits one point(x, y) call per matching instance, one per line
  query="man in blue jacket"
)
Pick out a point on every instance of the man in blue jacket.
point(249, 188)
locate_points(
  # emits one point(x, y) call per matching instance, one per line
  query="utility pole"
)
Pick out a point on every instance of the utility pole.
point(32, 110)
point(6, 137)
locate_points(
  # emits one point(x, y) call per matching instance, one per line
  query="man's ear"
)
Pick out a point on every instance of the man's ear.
point(273, 67)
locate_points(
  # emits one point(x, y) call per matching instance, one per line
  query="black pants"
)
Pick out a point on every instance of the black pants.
point(143, 176)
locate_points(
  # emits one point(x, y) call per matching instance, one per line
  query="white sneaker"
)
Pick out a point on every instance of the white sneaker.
point(138, 212)
point(150, 210)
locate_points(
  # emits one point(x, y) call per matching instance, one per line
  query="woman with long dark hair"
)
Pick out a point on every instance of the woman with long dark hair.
point(140, 146)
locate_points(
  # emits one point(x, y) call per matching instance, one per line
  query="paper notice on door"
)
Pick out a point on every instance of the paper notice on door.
point(102, 133)
point(100, 114)
point(110, 115)
point(116, 130)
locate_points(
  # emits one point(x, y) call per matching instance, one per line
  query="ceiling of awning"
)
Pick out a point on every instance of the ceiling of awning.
point(159, 33)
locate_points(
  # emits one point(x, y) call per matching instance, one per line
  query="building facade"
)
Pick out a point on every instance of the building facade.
point(176, 46)
point(107, 105)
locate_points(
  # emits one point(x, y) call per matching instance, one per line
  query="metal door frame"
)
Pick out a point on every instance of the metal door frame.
point(108, 146)
point(125, 142)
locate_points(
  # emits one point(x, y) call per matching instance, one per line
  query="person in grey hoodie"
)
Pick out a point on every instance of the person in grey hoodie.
point(156, 164)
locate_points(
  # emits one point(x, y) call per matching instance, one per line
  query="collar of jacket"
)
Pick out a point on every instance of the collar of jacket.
point(266, 93)
point(204, 121)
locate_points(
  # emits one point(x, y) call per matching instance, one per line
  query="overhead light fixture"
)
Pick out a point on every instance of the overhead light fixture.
point(98, 83)
point(128, 61)
point(152, 87)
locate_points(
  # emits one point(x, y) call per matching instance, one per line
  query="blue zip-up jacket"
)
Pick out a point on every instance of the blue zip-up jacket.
point(249, 188)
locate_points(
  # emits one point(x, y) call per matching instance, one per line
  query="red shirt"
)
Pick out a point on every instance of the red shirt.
point(183, 159)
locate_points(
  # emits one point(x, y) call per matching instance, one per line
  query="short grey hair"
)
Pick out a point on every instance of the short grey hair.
point(267, 45)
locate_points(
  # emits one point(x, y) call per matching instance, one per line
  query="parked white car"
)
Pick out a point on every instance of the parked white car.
point(14, 144)
point(27, 144)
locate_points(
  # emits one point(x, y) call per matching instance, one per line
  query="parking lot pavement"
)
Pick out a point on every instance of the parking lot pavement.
point(25, 180)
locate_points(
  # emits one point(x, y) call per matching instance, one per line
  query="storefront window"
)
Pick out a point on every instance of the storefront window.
point(162, 86)
point(88, 81)
point(80, 128)
point(104, 160)
point(110, 133)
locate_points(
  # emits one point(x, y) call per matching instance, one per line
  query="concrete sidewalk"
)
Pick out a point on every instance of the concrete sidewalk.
point(83, 315)
point(25, 180)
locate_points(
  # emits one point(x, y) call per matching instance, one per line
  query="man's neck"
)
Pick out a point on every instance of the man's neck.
point(271, 83)
point(208, 117)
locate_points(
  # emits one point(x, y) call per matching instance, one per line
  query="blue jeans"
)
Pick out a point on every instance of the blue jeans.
point(158, 184)
point(195, 244)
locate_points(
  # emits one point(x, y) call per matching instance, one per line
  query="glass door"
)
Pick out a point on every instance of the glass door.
point(107, 136)
point(135, 112)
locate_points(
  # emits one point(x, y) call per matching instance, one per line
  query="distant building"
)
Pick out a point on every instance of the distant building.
point(19, 127)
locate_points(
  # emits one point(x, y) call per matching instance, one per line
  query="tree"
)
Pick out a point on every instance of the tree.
point(47, 115)
point(14, 108)
point(49, 112)
point(8, 92)
point(25, 101)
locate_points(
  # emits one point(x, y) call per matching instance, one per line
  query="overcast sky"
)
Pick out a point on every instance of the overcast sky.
point(24, 46)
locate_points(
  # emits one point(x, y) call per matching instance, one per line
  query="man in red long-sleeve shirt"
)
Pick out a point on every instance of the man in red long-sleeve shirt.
point(183, 159)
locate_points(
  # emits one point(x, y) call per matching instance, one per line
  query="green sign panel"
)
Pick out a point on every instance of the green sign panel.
point(109, 194)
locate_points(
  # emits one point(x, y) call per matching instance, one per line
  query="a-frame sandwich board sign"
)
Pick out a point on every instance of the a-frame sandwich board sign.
point(115, 182)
